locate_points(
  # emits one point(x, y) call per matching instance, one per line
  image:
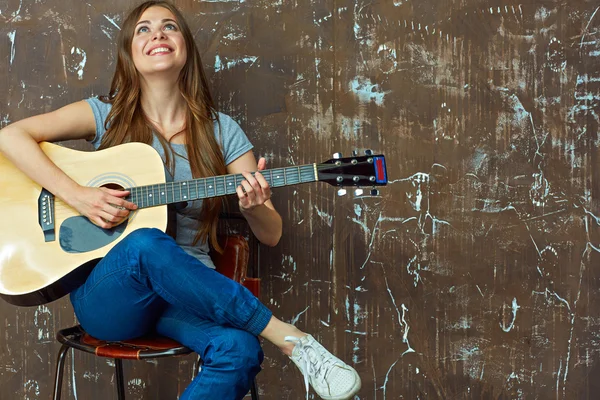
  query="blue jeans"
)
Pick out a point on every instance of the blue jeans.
point(148, 283)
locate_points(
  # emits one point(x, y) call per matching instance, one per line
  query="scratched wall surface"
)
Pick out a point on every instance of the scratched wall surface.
point(473, 275)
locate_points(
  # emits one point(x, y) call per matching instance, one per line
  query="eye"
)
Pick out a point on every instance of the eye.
point(143, 29)
point(170, 27)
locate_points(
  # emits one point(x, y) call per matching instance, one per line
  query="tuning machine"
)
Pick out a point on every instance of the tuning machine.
point(374, 192)
point(337, 156)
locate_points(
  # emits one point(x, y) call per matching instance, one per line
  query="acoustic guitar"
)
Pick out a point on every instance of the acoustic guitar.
point(47, 248)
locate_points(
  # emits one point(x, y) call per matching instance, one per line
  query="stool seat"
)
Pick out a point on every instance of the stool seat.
point(149, 346)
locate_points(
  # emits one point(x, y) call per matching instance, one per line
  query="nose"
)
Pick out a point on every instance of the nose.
point(158, 34)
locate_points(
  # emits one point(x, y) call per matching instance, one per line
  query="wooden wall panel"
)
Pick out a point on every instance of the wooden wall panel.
point(473, 275)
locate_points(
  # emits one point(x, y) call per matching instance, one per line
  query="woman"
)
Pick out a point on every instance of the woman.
point(150, 281)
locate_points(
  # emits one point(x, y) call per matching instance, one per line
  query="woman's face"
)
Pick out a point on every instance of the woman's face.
point(158, 45)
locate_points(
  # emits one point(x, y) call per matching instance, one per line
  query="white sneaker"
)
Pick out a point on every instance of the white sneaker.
point(329, 376)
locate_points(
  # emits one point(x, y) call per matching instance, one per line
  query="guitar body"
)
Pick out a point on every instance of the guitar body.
point(36, 268)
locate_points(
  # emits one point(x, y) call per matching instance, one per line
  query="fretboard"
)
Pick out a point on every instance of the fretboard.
point(202, 188)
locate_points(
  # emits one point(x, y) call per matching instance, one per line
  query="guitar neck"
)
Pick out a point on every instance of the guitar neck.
point(216, 186)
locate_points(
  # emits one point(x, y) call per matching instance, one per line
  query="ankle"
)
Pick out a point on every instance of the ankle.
point(287, 347)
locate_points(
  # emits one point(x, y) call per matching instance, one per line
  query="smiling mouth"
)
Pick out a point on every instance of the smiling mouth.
point(160, 50)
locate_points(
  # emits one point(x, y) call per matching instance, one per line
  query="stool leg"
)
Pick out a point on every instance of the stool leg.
point(198, 367)
point(120, 380)
point(60, 366)
point(254, 390)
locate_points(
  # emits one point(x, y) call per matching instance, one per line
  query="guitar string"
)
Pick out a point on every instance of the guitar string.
point(60, 208)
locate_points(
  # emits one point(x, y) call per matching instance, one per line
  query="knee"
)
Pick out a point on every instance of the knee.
point(144, 240)
point(236, 350)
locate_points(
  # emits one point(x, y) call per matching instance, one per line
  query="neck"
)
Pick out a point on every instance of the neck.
point(163, 103)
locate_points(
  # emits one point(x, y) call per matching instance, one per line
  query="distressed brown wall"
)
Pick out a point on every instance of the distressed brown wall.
point(473, 275)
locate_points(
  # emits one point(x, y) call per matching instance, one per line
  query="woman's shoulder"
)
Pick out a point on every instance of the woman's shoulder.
point(99, 104)
point(225, 120)
point(226, 125)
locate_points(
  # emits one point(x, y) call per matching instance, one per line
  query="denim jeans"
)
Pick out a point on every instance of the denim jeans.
point(147, 282)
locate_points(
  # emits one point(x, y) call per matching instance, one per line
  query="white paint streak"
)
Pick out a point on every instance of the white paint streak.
point(406, 329)
point(387, 377)
point(221, 66)
point(515, 307)
point(297, 317)
point(80, 67)
point(112, 21)
point(11, 36)
point(366, 91)
point(587, 27)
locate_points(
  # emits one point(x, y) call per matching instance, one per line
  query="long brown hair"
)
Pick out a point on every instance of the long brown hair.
point(127, 122)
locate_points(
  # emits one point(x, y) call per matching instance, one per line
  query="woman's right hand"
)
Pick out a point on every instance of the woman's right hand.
point(104, 207)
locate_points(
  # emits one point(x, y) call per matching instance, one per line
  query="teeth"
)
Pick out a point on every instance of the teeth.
point(160, 50)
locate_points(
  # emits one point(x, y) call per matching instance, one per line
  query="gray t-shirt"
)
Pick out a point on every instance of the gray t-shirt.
point(233, 142)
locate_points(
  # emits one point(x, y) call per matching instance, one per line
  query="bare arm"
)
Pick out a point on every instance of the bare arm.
point(19, 144)
point(253, 195)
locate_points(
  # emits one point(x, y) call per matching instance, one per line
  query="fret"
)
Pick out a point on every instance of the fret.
point(293, 175)
point(193, 190)
point(230, 184)
point(219, 185)
point(156, 191)
point(163, 193)
point(202, 188)
point(131, 197)
point(211, 187)
point(197, 195)
point(150, 194)
point(142, 199)
point(278, 177)
point(268, 177)
point(307, 174)
point(185, 193)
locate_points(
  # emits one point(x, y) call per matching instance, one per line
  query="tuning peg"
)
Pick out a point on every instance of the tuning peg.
point(341, 192)
point(337, 155)
point(368, 152)
point(354, 153)
point(358, 192)
point(374, 192)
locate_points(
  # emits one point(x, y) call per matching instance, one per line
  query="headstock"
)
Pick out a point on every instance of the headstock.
point(357, 171)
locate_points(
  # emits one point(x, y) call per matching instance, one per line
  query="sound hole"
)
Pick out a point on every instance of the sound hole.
point(113, 186)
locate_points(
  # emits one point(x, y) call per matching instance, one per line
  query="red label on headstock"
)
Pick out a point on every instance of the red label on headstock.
point(380, 170)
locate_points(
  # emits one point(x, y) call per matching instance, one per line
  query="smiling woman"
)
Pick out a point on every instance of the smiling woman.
point(149, 280)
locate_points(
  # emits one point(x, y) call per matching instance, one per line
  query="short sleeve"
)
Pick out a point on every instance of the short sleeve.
point(235, 142)
point(100, 110)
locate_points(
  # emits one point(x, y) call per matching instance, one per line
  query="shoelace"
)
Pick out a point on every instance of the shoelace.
point(315, 365)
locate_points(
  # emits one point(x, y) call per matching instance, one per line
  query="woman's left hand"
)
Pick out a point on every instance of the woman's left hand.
point(254, 191)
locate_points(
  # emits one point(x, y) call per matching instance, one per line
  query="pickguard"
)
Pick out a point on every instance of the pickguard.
point(79, 235)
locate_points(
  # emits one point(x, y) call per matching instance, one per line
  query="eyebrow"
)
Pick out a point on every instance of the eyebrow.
point(163, 21)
